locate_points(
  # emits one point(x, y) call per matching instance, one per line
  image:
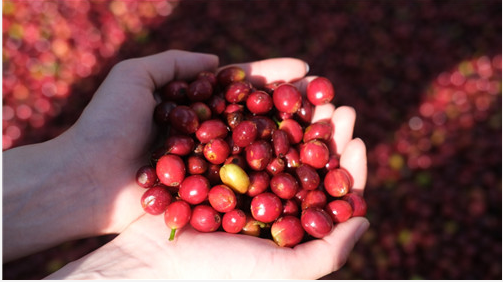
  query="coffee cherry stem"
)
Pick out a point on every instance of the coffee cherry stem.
point(278, 123)
point(172, 234)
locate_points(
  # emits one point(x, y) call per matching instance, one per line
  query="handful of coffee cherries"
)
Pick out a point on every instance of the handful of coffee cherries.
point(241, 159)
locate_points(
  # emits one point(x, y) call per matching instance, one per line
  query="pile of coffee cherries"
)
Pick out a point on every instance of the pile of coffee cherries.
point(247, 160)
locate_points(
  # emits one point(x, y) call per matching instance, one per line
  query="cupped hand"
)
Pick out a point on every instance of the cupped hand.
point(142, 250)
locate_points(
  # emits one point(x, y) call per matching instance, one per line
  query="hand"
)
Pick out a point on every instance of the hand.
point(142, 250)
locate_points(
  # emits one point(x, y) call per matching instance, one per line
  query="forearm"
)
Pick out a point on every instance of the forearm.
point(46, 199)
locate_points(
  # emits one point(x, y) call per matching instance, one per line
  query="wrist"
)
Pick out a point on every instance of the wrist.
point(46, 198)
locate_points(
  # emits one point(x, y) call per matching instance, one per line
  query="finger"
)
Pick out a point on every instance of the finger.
point(354, 160)
point(343, 121)
point(320, 257)
point(262, 72)
point(169, 65)
point(323, 112)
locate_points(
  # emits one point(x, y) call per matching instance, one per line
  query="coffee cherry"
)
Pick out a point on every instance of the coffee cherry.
point(251, 227)
point(321, 130)
point(202, 111)
point(290, 207)
point(161, 112)
point(308, 177)
point(259, 182)
point(210, 76)
point(180, 145)
point(280, 142)
point(314, 198)
point(275, 166)
point(314, 153)
point(222, 199)
point(287, 231)
point(205, 218)
point(196, 165)
point(176, 91)
point(316, 222)
point(146, 176)
point(244, 133)
point(235, 177)
point(184, 119)
point(230, 74)
point(337, 182)
point(155, 200)
point(305, 114)
point(287, 98)
point(211, 129)
point(199, 90)
point(259, 102)
point(176, 216)
point(266, 207)
point(357, 202)
point(339, 210)
point(292, 158)
point(216, 151)
point(293, 130)
point(265, 126)
point(170, 170)
point(194, 189)
point(238, 91)
point(234, 221)
point(320, 91)
point(258, 154)
point(284, 185)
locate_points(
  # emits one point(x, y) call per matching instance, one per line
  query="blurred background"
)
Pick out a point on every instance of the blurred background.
point(423, 76)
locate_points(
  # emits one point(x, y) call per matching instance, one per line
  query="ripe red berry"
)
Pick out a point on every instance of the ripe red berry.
point(314, 153)
point(230, 74)
point(287, 98)
point(316, 222)
point(170, 170)
point(357, 202)
point(321, 130)
point(259, 102)
point(337, 182)
point(320, 91)
point(176, 216)
point(222, 198)
point(146, 176)
point(180, 145)
point(216, 151)
point(199, 90)
point(194, 189)
point(176, 91)
point(211, 129)
point(287, 231)
point(205, 218)
point(244, 133)
point(234, 221)
point(284, 185)
point(155, 200)
point(339, 210)
point(308, 177)
point(258, 154)
point(184, 119)
point(266, 207)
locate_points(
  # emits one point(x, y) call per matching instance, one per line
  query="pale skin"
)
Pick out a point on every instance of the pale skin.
point(81, 184)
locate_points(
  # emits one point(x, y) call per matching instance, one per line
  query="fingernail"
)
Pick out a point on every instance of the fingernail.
point(307, 67)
